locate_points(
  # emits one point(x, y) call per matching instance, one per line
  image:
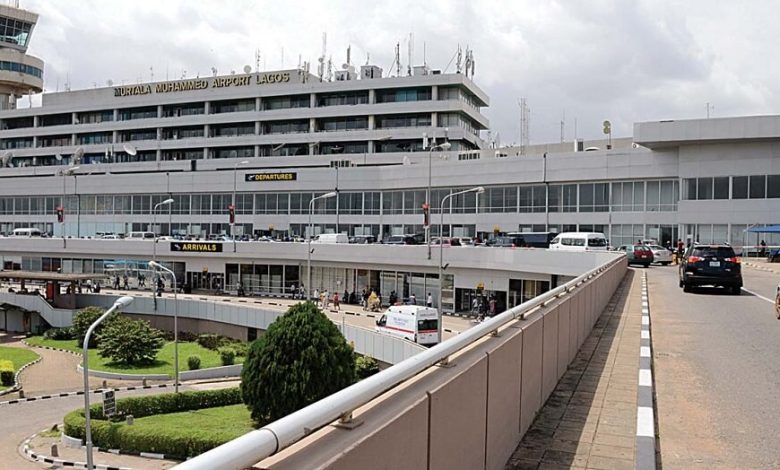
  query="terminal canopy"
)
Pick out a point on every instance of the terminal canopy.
point(767, 229)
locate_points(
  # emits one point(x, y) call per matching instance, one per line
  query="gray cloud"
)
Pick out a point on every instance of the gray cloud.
point(594, 60)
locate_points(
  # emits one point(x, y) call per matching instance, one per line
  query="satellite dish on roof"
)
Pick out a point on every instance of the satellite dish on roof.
point(110, 82)
point(247, 69)
point(7, 156)
point(77, 155)
point(58, 157)
point(129, 149)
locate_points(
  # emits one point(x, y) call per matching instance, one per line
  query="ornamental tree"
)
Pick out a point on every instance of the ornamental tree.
point(130, 342)
point(82, 321)
point(300, 359)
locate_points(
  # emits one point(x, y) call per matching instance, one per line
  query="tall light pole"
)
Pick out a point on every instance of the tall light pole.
point(233, 222)
point(69, 172)
point(120, 303)
point(151, 227)
point(155, 265)
point(444, 146)
point(308, 241)
point(478, 190)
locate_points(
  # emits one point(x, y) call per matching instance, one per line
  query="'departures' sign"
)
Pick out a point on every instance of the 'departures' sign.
point(279, 176)
point(197, 247)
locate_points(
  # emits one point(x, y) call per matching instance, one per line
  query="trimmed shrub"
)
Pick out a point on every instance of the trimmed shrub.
point(59, 333)
point(116, 436)
point(193, 362)
point(228, 356)
point(365, 367)
point(209, 341)
point(241, 348)
point(187, 337)
point(6, 373)
point(128, 341)
point(82, 321)
point(300, 359)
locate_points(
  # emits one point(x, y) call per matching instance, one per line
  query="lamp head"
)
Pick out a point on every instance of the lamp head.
point(123, 302)
point(445, 145)
point(154, 265)
point(167, 201)
point(244, 162)
point(479, 190)
point(329, 195)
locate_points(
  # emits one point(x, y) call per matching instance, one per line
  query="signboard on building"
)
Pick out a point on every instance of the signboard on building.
point(233, 81)
point(277, 176)
point(197, 247)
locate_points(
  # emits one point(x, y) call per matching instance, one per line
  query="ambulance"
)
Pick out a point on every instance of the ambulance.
point(412, 322)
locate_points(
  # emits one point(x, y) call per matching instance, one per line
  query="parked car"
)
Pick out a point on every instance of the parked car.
point(661, 255)
point(417, 239)
point(638, 254)
point(579, 241)
point(446, 241)
point(711, 265)
point(532, 239)
point(501, 242)
point(362, 239)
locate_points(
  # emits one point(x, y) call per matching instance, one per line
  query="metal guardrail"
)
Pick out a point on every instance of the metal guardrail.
point(247, 450)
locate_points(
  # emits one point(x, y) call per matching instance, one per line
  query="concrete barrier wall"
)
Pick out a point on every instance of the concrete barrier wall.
point(470, 415)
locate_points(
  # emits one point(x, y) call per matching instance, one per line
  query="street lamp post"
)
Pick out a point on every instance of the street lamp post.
point(233, 222)
point(155, 265)
point(151, 226)
point(69, 172)
point(444, 146)
point(308, 241)
point(120, 303)
point(478, 190)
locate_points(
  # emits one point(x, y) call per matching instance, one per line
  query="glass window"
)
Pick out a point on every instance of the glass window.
point(773, 186)
point(586, 198)
point(570, 198)
point(704, 189)
point(554, 198)
point(639, 196)
point(758, 187)
point(690, 188)
point(721, 187)
point(739, 187)
point(653, 195)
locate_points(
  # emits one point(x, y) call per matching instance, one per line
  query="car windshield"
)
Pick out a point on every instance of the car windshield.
point(714, 251)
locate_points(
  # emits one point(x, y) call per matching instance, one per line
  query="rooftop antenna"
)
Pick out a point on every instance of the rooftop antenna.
point(349, 55)
point(299, 61)
point(330, 68)
point(257, 60)
point(459, 54)
point(398, 59)
point(425, 60)
point(321, 59)
point(282, 57)
point(525, 115)
point(563, 124)
point(151, 73)
point(410, 51)
point(710, 106)
point(368, 58)
point(183, 74)
point(213, 71)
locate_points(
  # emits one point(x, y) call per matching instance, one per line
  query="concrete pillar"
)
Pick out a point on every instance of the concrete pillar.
point(36, 120)
point(258, 104)
point(159, 111)
point(435, 92)
point(371, 96)
point(313, 100)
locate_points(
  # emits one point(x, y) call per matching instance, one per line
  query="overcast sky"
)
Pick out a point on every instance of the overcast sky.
point(625, 61)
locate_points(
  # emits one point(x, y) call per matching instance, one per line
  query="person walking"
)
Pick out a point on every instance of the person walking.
point(429, 302)
point(126, 284)
point(325, 299)
point(317, 296)
point(160, 286)
point(116, 282)
point(336, 301)
point(412, 299)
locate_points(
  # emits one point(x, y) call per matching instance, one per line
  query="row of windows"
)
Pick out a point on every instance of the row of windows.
point(232, 106)
point(14, 31)
point(732, 187)
point(585, 197)
point(21, 68)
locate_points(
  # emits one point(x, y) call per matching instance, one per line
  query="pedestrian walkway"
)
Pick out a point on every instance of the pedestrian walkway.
point(590, 420)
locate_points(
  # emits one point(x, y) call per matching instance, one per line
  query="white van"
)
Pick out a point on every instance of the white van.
point(26, 232)
point(579, 241)
point(331, 238)
point(140, 236)
point(412, 322)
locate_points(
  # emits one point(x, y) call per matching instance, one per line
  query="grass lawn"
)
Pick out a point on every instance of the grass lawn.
point(162, 365)
point(222, 423)
point(19, 356)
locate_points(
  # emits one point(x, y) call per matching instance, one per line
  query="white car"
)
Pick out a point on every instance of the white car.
point(661, 255)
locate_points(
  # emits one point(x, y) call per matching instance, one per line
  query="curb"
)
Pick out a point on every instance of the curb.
point(17, 383)
point(759, 267)
point(81, 392)
point(645, 416)
point(59, 462)
point(51, 348)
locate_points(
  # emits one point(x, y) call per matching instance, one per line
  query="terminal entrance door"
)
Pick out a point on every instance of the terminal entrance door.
point(206, 281)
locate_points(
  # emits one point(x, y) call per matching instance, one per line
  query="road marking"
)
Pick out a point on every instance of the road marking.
point(758, 295)
point(644, 422)
point(645, 378)
point(644, 351)
point(645, 320)
point(645, 334)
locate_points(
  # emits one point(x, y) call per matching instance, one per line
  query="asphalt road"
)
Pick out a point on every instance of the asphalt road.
point(717, 373)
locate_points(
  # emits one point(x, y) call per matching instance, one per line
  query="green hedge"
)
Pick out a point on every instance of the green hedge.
point(6, 373)
point(111, 435)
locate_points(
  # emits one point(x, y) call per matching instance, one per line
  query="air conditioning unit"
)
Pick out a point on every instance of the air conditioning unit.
point(579, 145)
point(370, 71)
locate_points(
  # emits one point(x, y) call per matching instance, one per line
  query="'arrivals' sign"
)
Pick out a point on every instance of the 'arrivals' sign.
point(197, 247)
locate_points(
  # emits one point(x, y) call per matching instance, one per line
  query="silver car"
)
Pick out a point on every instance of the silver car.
point(661, 255)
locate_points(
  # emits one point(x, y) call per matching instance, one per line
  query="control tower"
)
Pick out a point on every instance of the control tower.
point(20, 74)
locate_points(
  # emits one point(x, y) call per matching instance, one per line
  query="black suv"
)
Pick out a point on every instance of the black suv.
point(711, 265)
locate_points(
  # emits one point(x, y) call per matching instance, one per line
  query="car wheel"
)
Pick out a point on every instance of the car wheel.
point(646, 265)
point(736, 290)
point(686, 287)
point(666, 263)
point(680, 281)
point(777, 306)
